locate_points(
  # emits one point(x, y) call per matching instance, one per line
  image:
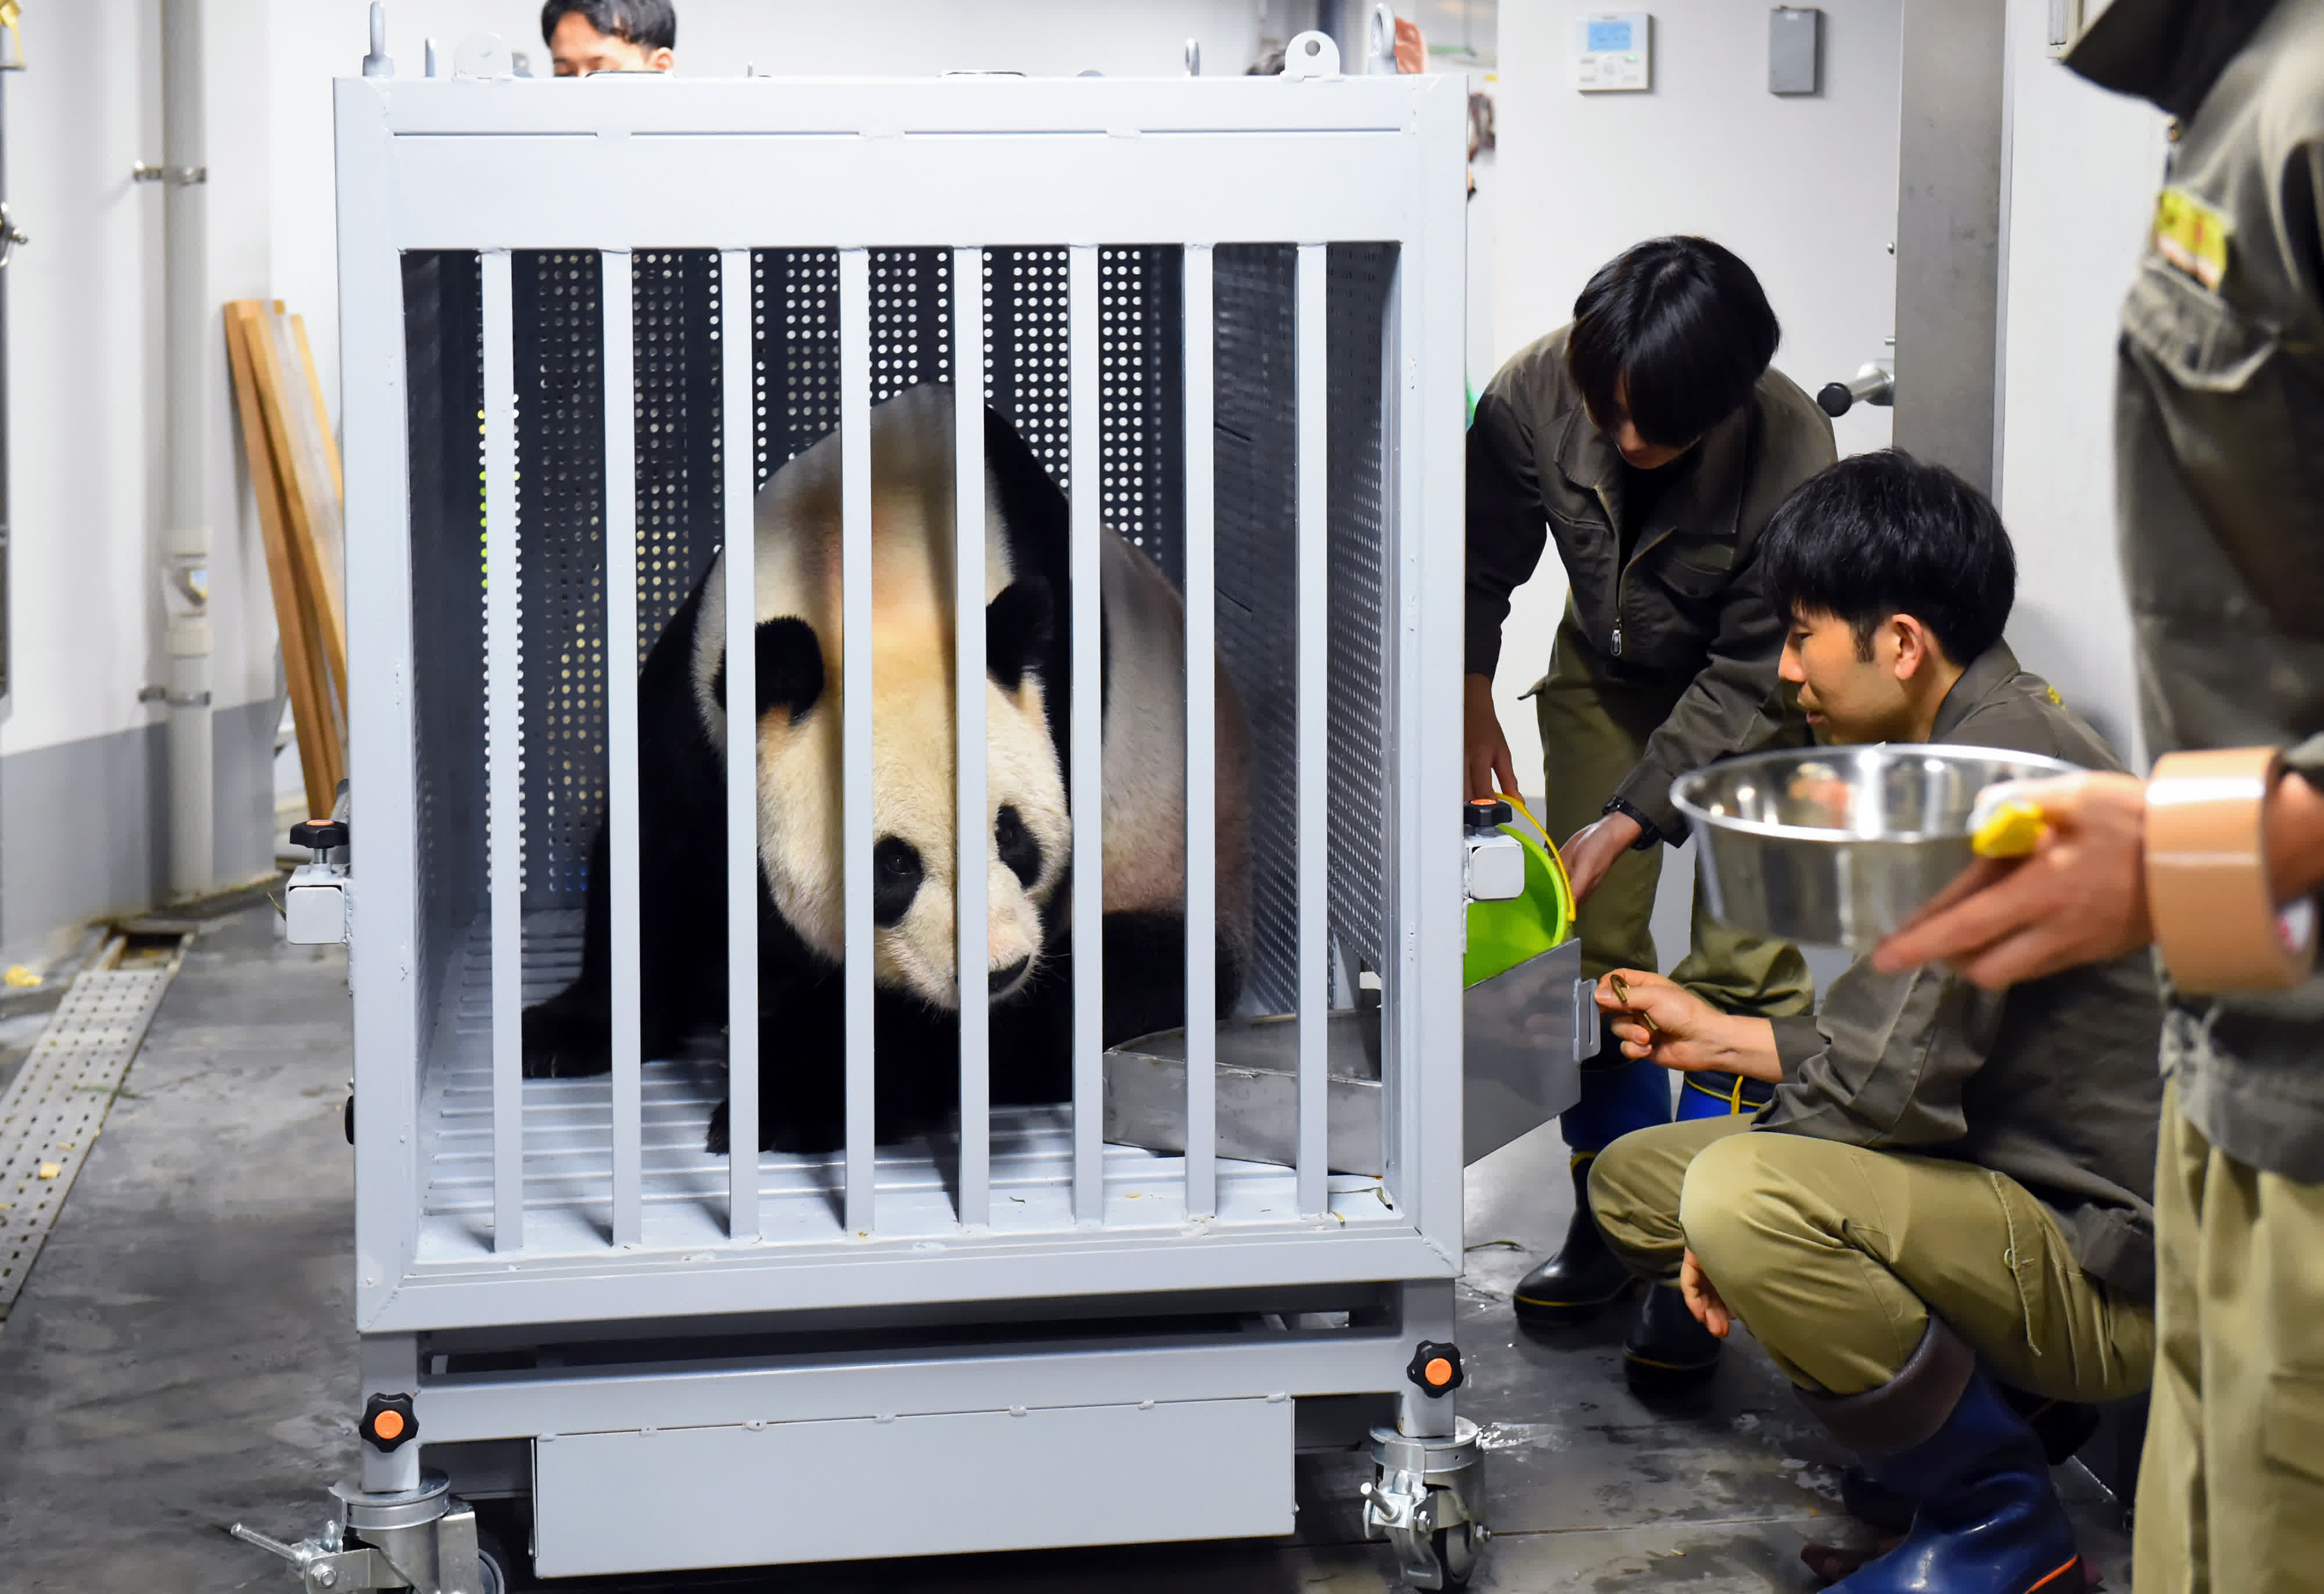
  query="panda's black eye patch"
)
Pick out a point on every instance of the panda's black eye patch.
point(896, 875)
point(1018, 846)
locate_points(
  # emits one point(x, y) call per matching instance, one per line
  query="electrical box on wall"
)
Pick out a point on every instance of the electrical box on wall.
point(1795, 50)
point(1611, 51)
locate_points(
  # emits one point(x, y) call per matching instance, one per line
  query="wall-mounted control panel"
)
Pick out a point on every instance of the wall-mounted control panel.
point(1613, 52)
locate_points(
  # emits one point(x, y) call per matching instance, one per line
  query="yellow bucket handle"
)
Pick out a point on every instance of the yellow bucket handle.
point(1549, 845)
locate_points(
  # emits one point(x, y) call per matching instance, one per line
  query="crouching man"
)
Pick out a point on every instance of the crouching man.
point(1941, 1220)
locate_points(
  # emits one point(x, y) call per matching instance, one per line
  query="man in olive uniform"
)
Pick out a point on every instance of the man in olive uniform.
point(1651, 439)
point(1942, 1221)
point(2219, 448)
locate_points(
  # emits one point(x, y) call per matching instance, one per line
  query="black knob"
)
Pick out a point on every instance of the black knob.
point(1485, 814)
point(388, 1422)
point(1435, 1368)
point(1835, 399)
point(318, 833)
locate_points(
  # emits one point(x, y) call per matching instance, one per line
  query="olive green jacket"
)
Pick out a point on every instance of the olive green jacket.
point(2053, 1083)
point(1687, 602)
point(2219, 484)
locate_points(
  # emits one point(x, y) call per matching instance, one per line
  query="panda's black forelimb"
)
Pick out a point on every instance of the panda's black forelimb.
point(681, 885)
point(1137, 944)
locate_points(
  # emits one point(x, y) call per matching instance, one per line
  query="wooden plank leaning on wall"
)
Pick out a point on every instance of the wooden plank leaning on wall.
point(294, 470)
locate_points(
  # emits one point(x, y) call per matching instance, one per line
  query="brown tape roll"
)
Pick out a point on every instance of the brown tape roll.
point(2207, 890)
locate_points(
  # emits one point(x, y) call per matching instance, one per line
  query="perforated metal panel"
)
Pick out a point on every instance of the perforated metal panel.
point(1257, 451)
point(443, 342)
point(1361, 278)
point(796, 371)
point(1257, 444)
point(1141, 302)
point(560, 437)
point(50, 1113)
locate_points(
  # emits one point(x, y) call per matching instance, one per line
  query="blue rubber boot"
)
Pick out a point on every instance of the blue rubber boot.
point(1713, 1095)
point(1987, 1518)
point(1618, 1096)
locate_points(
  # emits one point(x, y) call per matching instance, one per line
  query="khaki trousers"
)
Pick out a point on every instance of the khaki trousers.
point(2231, 1488)
point(1593, 731)
point(1834, 1258)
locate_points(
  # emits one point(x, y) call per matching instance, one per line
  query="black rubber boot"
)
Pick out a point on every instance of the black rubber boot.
point(2063, 1427)
point(1986, 1519)
point(1583, 1278)
point(1667, 1349)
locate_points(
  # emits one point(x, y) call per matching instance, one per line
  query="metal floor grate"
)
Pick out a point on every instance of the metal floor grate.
point(568, 1153)
point(52, 1110)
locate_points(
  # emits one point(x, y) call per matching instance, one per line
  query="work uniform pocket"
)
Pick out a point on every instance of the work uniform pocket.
point(2195, 336)
point(2030, 1239)
point(1695, 566)
point(2237, 409)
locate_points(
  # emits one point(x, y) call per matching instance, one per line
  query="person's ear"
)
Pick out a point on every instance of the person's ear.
point(1913, 643)
point(662, 60)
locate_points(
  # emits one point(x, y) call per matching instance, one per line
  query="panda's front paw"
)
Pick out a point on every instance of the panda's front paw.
point(714, 1142)
point(560, 1043)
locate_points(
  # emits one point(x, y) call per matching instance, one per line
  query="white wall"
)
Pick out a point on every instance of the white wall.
point(1803, 188)
point(84, 362)
point(85, 371)
point(2084, 168)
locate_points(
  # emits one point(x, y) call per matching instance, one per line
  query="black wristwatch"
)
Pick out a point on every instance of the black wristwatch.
point(1650, 836)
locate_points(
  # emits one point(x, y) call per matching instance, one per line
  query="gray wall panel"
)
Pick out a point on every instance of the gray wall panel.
point(82, 824)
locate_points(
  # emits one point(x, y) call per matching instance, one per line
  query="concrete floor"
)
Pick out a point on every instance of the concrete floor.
point(182, 1359)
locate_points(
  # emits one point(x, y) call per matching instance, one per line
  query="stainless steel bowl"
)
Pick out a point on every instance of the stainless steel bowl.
point(1839, 845)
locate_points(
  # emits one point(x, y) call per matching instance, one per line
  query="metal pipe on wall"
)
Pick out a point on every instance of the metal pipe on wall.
point(185, 533)
point(1948, 236)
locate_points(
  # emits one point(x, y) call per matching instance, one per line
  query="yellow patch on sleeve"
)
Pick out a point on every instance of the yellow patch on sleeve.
point(2192, 237)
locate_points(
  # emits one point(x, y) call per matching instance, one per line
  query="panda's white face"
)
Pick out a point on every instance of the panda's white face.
point(1028, 834)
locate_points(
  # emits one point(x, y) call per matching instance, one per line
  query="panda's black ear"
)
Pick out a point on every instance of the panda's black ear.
point(1017, 631)
point(790, 668)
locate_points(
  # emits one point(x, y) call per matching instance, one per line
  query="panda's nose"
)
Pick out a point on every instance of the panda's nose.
point(1005, 979)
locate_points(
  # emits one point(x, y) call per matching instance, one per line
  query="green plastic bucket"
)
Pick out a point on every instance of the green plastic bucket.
point(1503, 935)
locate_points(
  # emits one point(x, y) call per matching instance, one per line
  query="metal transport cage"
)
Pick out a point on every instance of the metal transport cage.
point(583, 322)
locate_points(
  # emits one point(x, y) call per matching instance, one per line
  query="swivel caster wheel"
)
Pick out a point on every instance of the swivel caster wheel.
point(493, 1566)
point(1445, 1561)
point(1426, 1502)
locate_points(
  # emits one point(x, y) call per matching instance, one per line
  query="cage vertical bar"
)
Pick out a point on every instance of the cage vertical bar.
point(504, 751)
point(855, 719)
point(1087, 775)
point(971, 955)
point(1311, 354)
point(738, 487)
point(1202, 750)
point(621, 655)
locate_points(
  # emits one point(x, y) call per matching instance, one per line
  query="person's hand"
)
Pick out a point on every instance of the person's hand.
point(1589, 851)
point(1485, 750)
point(1701, 1297)
point(1663, 1023)
point(2080, 898)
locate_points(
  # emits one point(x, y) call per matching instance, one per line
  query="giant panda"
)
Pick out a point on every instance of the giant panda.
point(682, 737)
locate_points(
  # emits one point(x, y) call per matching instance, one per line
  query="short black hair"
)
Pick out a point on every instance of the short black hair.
point(1884, 533)
point(1682, 326)
point(650, 24)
